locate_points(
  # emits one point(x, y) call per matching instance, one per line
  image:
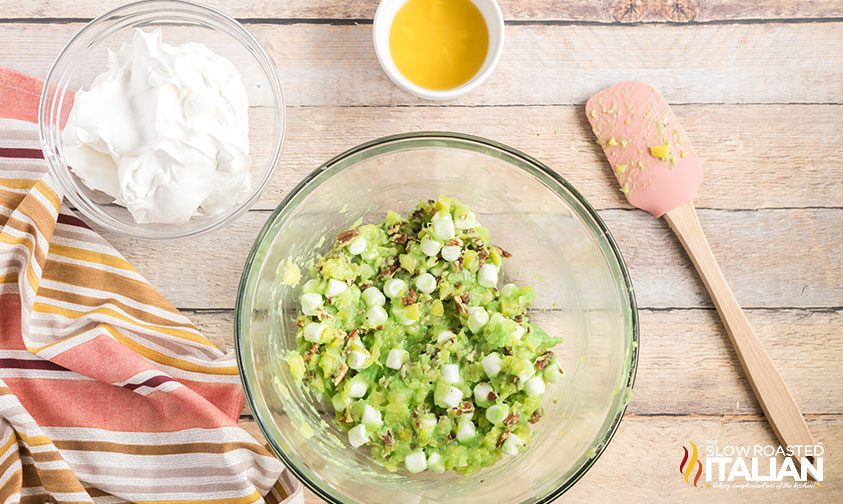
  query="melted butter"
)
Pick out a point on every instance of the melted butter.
point(439, 44)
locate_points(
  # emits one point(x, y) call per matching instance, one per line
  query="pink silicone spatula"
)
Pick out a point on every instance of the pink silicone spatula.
point(659, 172)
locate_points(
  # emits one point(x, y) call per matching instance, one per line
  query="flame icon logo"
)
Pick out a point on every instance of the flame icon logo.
point(691, 464)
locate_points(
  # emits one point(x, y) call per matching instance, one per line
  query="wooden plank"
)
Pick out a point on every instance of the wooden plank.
point(772, 258)
point(541, 65)
point(748, 152)
point(688, 351)
point(601, 11)
point(641, 464)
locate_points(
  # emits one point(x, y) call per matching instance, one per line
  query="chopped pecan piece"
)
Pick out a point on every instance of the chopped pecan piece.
point(512, 419)
point(400, 238)
point(482, 255)
point(492, 397)
point(347, 235)
point(390, 270)
point(311, 353)
point(391, 230)
point(504, 253)
point(461, 304)
point(467, 407)
point(387, 438)
point(518, 318)
point(340, 374)
point(300, 322)
point(454, 241)
point(410, 298)
point(504, 435)
point(350, 336)
point(543, 361)
point(346, 416)
point(536, 416)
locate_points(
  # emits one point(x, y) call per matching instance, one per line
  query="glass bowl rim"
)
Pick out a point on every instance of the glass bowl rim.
point(49, 99)
point(632, 348)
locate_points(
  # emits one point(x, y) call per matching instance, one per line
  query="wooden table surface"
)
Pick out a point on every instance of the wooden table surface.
point(758, 86)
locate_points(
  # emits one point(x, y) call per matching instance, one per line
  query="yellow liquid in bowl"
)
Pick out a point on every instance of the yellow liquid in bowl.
point(439, 44)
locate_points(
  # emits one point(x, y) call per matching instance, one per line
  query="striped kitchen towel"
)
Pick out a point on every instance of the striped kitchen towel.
point(107, 392)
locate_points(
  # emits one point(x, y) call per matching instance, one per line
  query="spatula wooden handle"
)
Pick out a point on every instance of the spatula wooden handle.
point(776, 401)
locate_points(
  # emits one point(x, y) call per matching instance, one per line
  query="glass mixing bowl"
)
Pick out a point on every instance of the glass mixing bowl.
point(559, 245)
point(85, 56)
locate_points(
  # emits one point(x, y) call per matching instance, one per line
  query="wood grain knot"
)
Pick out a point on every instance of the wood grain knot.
point(629, 11)
point(680, 11)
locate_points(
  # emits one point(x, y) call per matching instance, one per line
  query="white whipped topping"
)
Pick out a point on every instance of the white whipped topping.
point(164, 131)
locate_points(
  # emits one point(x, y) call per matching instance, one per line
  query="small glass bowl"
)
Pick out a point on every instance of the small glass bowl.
point(559, 245)
point(85, 57)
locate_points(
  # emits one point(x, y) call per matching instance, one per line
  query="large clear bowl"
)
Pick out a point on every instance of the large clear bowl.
point(559, 245)
point(85, 56)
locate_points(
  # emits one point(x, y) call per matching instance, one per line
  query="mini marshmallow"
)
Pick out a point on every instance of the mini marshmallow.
point(357, 359)
point(430, 247)
point(335, 288)
point(466, 430)
point(451, 252)
point(435, 464)
point(466, 221)
point(310, 303)
point(357, 246)
point(357, 389)
point(477, 318)
point(497, 413)
point(426, 283)
point(534, 386)
point(396, 358)
point(512, 444)
point(357, 436)
point(376, 316)
point(374, 297)
point(445, 336)
point(415, 462)
point(487, 276)
point(518, 333)
point(451, 373)
point(452, 397)
point(481, 392)
point(394, 288)
point(371, 417)
point(313, 332)
point(443, 226)
point(491, 364)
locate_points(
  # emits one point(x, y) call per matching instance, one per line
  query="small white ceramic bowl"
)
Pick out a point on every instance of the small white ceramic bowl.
point(383, 23)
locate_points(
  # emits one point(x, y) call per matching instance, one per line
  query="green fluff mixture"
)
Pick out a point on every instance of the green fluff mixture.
point(425, 360)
